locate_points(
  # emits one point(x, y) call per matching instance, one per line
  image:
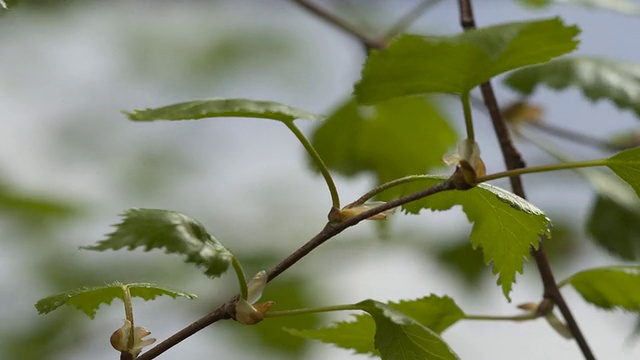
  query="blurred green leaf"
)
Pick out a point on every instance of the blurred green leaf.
point(89, 299)
point(623, 6)
point(456, 64)
point(173, 231)
point(290, 293)
point(400, 337)
point(199, 109)
point(615, 227)
point(434, 312)
point(626, 164)
point(8, 4)
point(505, 225)
point(27, 206)
point(609, 287)
point(597, 78)
point(392, 139)
point(461, 258)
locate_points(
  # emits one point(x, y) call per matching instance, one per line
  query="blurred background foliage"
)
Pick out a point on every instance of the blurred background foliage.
point(69, 163)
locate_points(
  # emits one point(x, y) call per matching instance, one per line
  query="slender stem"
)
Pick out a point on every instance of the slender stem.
point(513, 160)
point(405, 21)
point(523, 317)
point(388, 185)
point(543, 168)
point(368, 41)
point(313, 310)
point(573, 136)
point(335, 199)
point(128, 311)
point(242, 278)
point(468, 120)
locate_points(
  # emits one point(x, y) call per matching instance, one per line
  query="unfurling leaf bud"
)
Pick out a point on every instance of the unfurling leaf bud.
point(352, 210)
point(120, 339)
point(469, 163)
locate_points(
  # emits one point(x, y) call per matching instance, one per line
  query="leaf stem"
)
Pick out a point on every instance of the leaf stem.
point(128, 313)
point(313, 310)
point(543, 168)
point(468, 119)
point(386, 186)
point(242, 279)
point(335, 199)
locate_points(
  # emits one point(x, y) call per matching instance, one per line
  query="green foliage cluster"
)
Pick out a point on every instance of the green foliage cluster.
point(393, 130)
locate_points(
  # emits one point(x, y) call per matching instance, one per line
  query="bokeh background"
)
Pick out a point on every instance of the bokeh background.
point(70, 163)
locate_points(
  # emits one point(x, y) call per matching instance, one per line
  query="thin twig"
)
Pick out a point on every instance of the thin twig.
point(514, 160)
point(573, 136)
point(364, 38)
point(409, 18)
point(330, 230)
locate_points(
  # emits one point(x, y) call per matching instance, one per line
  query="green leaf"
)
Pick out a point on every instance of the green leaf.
point(8, 4)
point(597, 78)
point(433, 312)
point(609, 287)
point(173, 231)
point(193, 110)
point(399, 337)
point(89, 299)
point(623, 6)
point(392, 139)
point(626, 164)
point(505, 225)
point(356, 335)
point(456, 64)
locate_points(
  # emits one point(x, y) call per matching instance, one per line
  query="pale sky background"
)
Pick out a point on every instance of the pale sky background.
point(66, 75)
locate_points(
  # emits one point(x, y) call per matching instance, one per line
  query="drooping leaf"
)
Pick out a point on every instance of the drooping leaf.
point(89, 299)
point(433, 312)
point(609, 287)
point(456, 64)
point(392, 139)
point(626, 164)
point(356, 335)
point(199, 109)
point(399, 337)
point(597, 78)
point(505, 225)
point(623, 6)
point(173, 231)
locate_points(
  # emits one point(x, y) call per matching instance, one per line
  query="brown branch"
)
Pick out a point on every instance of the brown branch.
point(330, 230)
point(364, 38)
point(513, 160)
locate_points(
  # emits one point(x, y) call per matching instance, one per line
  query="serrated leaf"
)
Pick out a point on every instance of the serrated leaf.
point(434, 312)
point(356, 335)
point(609, 287)
point(597, 78)
point(399, 337)
point(505, 226)
point(199, 109)
point(626, 164)
point(172, 231)
point(89, 299)
point(456, 64)
point(392, 139)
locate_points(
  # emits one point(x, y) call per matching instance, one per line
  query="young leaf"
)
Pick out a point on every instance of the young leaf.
point(456, 64)
point(400, 337)
point(89, 299)
point(505, 225)
point(391, 139)
point(193, 110)
point(626, 164)
point(598, 78)
point(609, 287)
point(173, 231)
point(433, 312)
point(356, 335)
